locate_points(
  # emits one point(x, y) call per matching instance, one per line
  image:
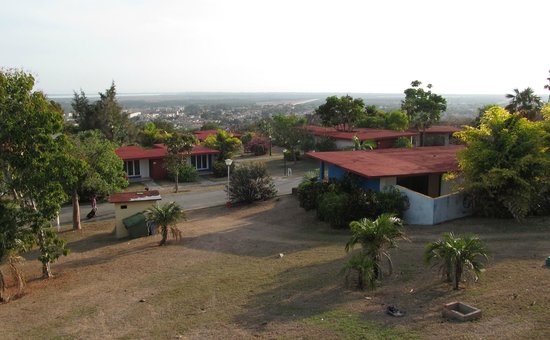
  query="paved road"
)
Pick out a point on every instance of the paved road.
point(188, 200)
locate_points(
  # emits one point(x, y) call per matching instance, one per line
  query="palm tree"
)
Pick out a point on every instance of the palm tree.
point(376, 238)
point(164, 216)
point(457, 254)
point(526, 102)
point(365, 268)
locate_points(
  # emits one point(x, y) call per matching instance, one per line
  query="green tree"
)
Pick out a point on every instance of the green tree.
point(94, 168)
point(288, 132)
point(505, 165)
point(164, 216)
point(376, 238)
point(456, 255)
point(32, 148)
point(396, 120)
point(526, 103)
point(547, 86)
point(150, 134)
point(364, 145)
point(342, 113)
point(179, 147)
point(251, 183)
point(423, 107)
point(225, 142)
point(210, 126)
point(105, 115)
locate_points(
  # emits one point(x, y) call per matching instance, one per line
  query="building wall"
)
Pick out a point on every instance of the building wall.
point(426, 210)
point(144, 168)
point(343, 143)
point(127, 209)
point(387, 181)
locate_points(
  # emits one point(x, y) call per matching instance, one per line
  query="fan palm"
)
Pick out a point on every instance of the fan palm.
point(457, 254)
point(526, 102)
point(376, 238)
point(164, 216)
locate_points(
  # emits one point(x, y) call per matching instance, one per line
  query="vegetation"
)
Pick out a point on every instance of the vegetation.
point(151, 134)
point(506, 166)
point(375, 118)
point(456, 255)
point(224, 142)
point(326, 144)
point(423, 107)
point(526, 103)
point(341, 113)
point(104, 115)
point(32, 158)
point(187, 173)
point(94, 169)
point(376, 238)
point(164, 216)
point(179, 147)
point(288, 132)
point(258, 145)
point(249, 183)
point(403, 142)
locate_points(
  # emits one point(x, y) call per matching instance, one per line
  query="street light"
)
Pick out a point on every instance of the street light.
point(228, 162)
point(284, 160)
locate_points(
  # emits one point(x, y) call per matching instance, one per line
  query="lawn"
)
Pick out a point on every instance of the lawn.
point(225, 279)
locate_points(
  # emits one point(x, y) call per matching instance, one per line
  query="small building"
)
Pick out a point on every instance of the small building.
point(344, 139)
point(131, 203)
point(417, 172)
point(436, 135)
point(141, 163)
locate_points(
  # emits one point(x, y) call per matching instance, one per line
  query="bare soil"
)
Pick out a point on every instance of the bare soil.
point(226, 279)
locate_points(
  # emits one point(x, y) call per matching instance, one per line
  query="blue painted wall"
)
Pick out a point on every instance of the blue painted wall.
point(337, 172)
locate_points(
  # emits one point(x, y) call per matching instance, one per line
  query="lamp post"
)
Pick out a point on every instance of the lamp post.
point(284, 161)
point(228, 162)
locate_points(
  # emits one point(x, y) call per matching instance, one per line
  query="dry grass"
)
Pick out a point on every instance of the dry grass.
point(226, 280)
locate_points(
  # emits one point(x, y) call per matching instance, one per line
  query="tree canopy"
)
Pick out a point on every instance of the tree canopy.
point(506, 165)
point(288, 132)
point(423, 107)
point(179, 147)
point(224, 142)
point(526, 103)
point(341, 113)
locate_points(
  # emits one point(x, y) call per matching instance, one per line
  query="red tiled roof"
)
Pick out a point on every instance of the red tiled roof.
point(394, 162)
point(127, 153)
point(203, 134)
point(361, 133)
point(439, 129)
point(121, 197)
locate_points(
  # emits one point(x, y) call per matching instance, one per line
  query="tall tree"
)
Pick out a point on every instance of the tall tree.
point(32, 148)
point(288, 132)
point(526, 103)
point(105, 115)
point(179, 147)
point(423, 107)
point(342, 113)
point(94, 169)
point(505, 165)
point(225, 142)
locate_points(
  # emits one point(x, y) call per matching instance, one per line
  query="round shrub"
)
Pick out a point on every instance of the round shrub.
point(187, 174)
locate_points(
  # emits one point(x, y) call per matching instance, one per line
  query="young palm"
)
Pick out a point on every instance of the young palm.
point(376, 238)
point(164, 216)
point(457, 254)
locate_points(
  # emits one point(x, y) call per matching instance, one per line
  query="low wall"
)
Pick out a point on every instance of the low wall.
point(428, 211)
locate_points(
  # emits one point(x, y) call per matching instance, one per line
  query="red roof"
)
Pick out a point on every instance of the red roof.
point(439, 129)
point(361, 133)
point(203, 134)
point(394, 162)
point(121, 197)
point(127, 153)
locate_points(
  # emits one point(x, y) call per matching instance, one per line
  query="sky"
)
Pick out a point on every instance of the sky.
point(344, 46)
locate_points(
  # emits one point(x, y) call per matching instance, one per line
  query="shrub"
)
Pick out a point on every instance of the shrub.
point(288, 155)
point(258, 145)
point(220, 169)
point(309, 193)
point(251, 183)
point(333, 208)
point(403, 142)
point(247, 137)
point(188, 173)
point(391, 201)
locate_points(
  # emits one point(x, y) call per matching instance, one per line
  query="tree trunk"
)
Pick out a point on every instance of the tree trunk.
point(458, 274)
point(164, 235)
point(46, 271)
point(177, 178)
point(2, 287)
point(76, 211)
point(18, 274)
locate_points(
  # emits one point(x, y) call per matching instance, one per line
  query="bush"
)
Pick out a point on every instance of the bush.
point(220, 169)
point(251, 183)
point(258, 145)
point(288, 155)
point(326, 144)
point(334, 208)
point(309, 193)
point(403, 142)
point(187, 174)
point(392, 201)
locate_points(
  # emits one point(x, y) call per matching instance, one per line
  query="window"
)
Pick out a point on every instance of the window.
point(200, 162)
point(132, 168)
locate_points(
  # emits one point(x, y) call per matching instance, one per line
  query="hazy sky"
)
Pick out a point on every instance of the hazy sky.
point(467, 46)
